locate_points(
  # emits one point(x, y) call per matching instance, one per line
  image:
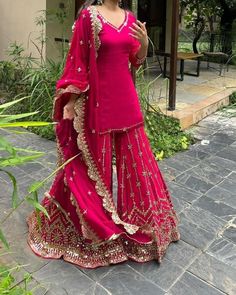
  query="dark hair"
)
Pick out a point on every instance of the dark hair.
point(92, 2)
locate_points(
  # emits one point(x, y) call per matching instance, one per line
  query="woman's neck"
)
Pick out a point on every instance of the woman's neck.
point(111, 4)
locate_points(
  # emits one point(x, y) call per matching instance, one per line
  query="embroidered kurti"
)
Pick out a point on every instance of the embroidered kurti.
point(119, 105)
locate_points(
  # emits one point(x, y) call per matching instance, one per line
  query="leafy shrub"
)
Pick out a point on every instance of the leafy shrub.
point(24, 75)
point(164, 132)
point(7, 281)
point(232, 99)
point(13, 156)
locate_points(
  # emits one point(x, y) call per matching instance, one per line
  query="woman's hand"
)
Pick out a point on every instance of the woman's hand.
point(68, 110)
point(139, 32)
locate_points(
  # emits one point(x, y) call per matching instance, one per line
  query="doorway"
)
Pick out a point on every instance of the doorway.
point(153, 12)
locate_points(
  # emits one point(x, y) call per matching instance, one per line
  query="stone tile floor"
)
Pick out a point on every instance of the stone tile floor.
point(202, 181)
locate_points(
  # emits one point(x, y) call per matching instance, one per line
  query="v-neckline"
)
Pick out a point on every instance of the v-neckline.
point(124, 23)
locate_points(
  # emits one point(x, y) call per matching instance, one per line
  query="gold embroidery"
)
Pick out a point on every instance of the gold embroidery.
point(93, 173)
point(87, 231)
point(96, 26)
point(60, 157)
point(68, 89)
point(71, 89)
point(59, 237)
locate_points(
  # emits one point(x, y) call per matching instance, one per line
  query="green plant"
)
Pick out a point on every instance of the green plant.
point(40, 85)
point(230, 110)
point(13, 71)
point(8, 286)
point(164, 132)
point(16, 156)
point(24, 75)
point(232, 99)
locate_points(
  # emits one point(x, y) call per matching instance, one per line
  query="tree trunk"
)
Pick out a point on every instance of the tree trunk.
point(198, 36)
point(212, 35)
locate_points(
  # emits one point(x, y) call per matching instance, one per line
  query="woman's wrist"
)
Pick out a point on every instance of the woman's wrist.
point(142, 53)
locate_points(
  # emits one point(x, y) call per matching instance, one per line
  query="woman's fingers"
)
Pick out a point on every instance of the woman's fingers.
point(68, 111)
point(138, 30)
point(139, 26)
point(142, 25)
point(135, 31)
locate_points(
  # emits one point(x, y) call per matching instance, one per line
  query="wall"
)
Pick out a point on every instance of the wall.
point(54, 29)
point(17, 23)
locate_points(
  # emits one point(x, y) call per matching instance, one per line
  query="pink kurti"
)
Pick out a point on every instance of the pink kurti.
point(119, 104)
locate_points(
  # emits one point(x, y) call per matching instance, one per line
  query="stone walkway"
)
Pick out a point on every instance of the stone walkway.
point(202, 181)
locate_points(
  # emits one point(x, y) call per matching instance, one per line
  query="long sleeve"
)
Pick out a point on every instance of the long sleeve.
point(74, 79)
point(135, 61)
point(134, 49)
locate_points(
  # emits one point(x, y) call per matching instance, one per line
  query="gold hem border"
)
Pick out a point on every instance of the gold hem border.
point(69, 89)
point(87, 255)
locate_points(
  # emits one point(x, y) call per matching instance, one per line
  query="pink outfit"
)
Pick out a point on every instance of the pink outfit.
point(119, 104)
point(87, 227)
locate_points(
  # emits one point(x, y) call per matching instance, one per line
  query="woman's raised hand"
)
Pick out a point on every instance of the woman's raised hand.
point(139, 32)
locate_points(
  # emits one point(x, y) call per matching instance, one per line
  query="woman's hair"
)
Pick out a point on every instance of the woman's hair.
point(87, 3)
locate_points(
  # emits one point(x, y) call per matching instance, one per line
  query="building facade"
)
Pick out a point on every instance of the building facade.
point(26, 22)
point(18, 23)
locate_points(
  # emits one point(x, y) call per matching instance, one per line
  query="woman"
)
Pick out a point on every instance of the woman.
point(98, 115)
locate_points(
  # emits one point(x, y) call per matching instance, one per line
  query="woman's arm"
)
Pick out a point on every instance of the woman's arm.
point(140, 43)
point(74, 80)
point(139, 32)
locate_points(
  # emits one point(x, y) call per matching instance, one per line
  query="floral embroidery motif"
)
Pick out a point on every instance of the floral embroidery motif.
point(96, 26)
point(87, 231)
point(73, 27)
point(60, 238)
